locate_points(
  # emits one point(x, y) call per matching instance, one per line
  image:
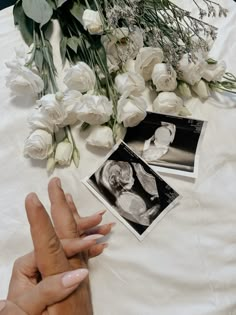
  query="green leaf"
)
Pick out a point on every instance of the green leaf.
point(24, 23)
point(77, 11)
point(63, 44)
point(38, 59)
point(73, 42)
point(38, 10)
point(211, 61)
point(60, 3)
point(52, 4)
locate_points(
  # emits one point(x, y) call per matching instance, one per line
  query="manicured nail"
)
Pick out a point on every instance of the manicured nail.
point(58, 183)
point(2, 305)
point(101, 212)
point(93, 237)
point(74, 277)
point(69, 198)
point(36, 200)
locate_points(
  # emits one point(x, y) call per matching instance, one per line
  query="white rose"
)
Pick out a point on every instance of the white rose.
point(22, 80)
point(92, 22)
point(64, 151)
point(38, 145)
point(129, 83)
point(214, 72)
point(168, 103)
point(146, 59)
point(101, 136)
point(80, 78)
point(191, 72)
point(164, 77)
point(94, 110)
point(184, 90)
point(202, 89)
point(122, 45)
point(70, 102)
point(37, 120)
point(52, 109)
point(131, 111)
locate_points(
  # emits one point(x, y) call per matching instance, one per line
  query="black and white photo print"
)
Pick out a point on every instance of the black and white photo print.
point(132, 190)
point(168, 143)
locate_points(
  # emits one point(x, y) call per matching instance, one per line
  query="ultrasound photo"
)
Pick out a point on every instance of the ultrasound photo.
point(132, 190)
point(169, 144)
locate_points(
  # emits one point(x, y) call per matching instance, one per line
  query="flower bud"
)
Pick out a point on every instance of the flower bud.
point(64, 152)
point(76, 157)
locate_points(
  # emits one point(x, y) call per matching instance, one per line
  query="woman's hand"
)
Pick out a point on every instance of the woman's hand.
point(82, 240)
point(35, 298)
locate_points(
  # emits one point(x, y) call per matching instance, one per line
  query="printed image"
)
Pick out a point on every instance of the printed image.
point(167, 142)
point(131, 189)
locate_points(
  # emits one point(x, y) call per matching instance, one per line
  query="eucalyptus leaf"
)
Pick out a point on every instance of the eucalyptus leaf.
point(24, 23)
point(73, 42)
point(60, 3)
point(77, 11)
point(38, 10)
point(52, 4)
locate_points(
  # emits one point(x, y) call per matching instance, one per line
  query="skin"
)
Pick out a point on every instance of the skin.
point(57, 250)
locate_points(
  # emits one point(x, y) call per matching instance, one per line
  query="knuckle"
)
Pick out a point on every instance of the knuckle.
point(54, 246)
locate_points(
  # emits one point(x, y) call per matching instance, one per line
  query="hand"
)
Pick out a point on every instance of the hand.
point(53, 289)
point(22, 277)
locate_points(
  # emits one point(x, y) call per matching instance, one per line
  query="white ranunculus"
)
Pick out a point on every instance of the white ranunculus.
point(122, 45)
point(80, 78)
point(101, 136)
point(184, 90)
point(214, 72)
point(146, 59)
point(94, 109)
point(202, 89)
point(191, 72)
point(52, 109)
point(168, 103)
point(131, 111)
point(164, 77)
point(70, 102)
point(37, 120)
point(38, 145)
point(64, 151)
point(92, 22)
point(129, 83)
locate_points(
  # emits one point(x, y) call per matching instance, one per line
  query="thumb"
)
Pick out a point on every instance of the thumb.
point(51, 290)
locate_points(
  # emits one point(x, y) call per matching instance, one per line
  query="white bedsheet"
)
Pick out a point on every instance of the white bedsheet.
point(187, 264)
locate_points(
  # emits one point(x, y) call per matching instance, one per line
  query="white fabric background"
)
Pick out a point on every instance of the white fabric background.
point(187, 264)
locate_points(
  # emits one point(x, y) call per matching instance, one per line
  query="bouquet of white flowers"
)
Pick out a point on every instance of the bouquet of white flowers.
point(117, 49)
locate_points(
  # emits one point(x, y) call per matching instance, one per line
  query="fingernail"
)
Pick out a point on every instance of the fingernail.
point(112, 224)
point(93, 237)
point(101, 212)
point(74, 277)
point(35, 199)
point(58, 183)
point(2, 305)
point(69, 198)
